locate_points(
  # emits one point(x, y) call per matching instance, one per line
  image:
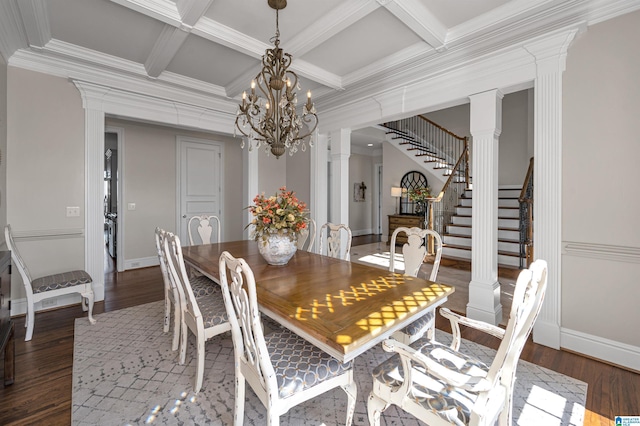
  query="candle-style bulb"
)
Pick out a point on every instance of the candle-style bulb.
point(309, 94)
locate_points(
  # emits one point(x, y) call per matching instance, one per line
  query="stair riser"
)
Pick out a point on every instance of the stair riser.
point(508, 202)
point(502, 234)
point(466, 254)
point(466, 242)
point(502, 212)
point(509, 193)
point(502, 223)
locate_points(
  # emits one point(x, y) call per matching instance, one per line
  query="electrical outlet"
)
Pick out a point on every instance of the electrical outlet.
point(131, 206)
point(73, 211)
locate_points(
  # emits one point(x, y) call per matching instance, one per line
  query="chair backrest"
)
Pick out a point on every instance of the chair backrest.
point(178, 274)
point(527, 301)
point(307, 233)
point(415, 249)
point(240, 298)
point(17, 260)
point(160, 235)
point(334, 240)
point(201, 229)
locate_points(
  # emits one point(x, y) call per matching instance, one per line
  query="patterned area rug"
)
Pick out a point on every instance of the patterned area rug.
point(124, 373)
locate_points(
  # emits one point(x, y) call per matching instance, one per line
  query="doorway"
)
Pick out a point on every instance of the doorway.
point(112, 199)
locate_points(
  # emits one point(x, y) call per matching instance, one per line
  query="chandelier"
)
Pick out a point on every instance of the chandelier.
point(271, 117)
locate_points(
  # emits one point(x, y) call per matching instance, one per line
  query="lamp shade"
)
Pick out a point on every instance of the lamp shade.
point(396, 191)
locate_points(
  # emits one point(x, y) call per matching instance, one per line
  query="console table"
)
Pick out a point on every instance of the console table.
point(405, 220)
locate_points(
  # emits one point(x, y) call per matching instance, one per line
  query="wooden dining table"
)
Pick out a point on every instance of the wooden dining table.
point(342, 307)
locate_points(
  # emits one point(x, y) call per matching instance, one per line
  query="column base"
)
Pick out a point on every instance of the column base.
point(484, 302)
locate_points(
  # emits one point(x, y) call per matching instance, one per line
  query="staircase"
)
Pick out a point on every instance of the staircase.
point(457, 235)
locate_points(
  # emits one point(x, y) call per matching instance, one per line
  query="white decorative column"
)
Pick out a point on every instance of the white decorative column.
point(550, 56)
point(484, 288)
point(340, 153)
point(249, 182)
point(94, 208)
point(319, 181)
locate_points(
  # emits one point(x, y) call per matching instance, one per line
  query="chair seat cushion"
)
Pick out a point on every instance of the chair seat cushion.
point(298, 364)
point(57, 281)
point(421, 325)
point(203, 286)
point(212, 308)
point(450, 403)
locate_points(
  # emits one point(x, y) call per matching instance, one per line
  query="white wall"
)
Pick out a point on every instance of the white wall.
point(601, 147)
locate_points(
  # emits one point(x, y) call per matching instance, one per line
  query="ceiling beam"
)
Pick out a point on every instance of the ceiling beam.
point(165, 48)
point(420, 20)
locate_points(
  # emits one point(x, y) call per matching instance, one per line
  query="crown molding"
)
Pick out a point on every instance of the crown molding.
point(35, 20)
point(140, 106)
point(163, 10)
point(12, 36)
point(603, 10)
point(165, 88)
point(192, 10)
point(405, 56)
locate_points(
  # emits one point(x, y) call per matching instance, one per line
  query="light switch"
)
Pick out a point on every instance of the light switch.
point(131, 206)
point(73, 211)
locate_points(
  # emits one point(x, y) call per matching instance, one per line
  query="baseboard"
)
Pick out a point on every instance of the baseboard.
point(362, 232)
point(143, 262)
point(610, 351)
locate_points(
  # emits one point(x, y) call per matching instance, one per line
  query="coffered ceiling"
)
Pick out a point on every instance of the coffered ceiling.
point(213, 47)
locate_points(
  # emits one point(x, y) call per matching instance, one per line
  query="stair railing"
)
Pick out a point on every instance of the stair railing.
point(526, 218)
point(448, 152)
point(443, 207)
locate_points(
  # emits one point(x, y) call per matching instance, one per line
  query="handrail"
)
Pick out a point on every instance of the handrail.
point(526, 218)
point(525, 185)
point(442, 128)
point(465, 153)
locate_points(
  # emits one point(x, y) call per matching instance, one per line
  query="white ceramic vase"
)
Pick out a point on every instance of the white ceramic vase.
point(278, 249)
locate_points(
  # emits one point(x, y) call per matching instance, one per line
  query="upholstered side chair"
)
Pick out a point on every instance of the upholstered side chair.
point(49, 286)
point(282, 368)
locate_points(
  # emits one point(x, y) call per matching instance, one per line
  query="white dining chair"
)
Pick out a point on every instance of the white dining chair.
point(282, 368)
point(441, 385)
point(413, 253)
point(335, 240)
point(204, 316)
point(171, 296)
point(201, 229)
point(307, 234)
point(49, 286)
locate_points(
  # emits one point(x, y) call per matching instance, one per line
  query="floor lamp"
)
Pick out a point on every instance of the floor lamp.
point(396, 192)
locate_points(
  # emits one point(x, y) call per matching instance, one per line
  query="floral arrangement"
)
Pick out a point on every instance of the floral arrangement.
point(419, 195)
point(282, 213)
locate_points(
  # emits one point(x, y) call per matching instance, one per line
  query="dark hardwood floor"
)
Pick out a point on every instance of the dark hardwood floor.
point(41, 393)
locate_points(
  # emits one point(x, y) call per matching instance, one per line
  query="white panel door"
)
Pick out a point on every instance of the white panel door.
point(200, 181)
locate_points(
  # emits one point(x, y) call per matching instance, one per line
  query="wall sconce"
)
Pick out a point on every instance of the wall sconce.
point(396, 192)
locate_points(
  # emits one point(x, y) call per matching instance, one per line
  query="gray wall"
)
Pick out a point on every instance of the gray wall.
point(149, 181)
point(601, 147)
point(3, 145)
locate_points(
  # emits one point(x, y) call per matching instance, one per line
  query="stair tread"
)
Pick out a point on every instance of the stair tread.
point(467, 215)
